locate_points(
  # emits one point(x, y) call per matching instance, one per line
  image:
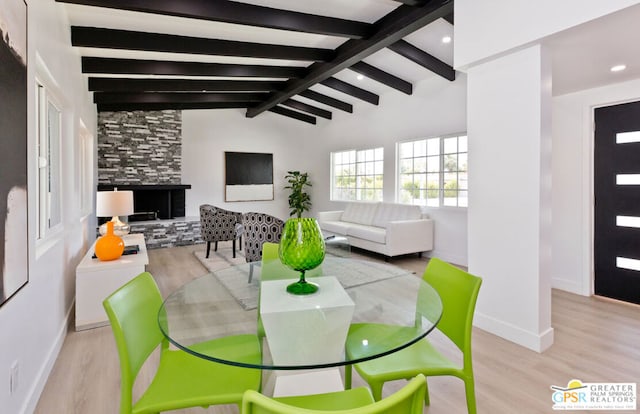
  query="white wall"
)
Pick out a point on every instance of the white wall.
point(436, 107)
point(482, 30)
point(572, 267)
point(206, 135)
point(510, 195)
point(485, 35)
point(34, 321)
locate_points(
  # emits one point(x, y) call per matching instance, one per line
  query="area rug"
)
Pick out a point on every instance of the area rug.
point(235, 278)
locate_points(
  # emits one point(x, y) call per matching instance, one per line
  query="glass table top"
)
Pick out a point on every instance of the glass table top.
point(391, 309)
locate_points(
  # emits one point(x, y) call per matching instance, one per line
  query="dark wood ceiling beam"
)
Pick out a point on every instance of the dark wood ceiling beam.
point(293, 114)
point(383, 77)
point(327, 100)
point(98, 37)
point(388, 30)
point(301, 106)
point(352, 90)
point(181, 85)
point(422, 58)
point(114, 107)
point(449, 18)
point(178, 97)
point(163, 67)
point(413, 2)
point(239, 13)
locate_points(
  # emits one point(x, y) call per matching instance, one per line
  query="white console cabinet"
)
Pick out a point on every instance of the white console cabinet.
point(95, 280)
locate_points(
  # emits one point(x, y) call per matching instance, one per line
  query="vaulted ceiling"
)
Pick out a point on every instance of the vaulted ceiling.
point(295, 58)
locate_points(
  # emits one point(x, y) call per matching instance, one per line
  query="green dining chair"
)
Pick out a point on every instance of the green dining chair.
point(458, 291)
point(407, 400)
point(271, 266)
point(182, 380)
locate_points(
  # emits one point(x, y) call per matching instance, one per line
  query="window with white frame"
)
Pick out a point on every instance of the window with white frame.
point(85, 169)
point(48, 196)
point(357, 175)
point(432, 172)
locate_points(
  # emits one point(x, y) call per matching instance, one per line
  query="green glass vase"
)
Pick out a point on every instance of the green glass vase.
point(301, 248)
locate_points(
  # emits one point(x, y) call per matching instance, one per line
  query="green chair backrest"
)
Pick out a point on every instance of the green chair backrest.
point(274, 269)
point(458, 291)
point(408, 400)
point(133, 312)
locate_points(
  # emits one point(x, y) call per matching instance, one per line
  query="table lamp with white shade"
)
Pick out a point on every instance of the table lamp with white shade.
point(114, 204)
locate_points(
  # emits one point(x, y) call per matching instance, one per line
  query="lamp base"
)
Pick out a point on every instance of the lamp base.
point(119, 228)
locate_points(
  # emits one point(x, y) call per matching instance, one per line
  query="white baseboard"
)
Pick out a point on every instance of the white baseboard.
point(568, 286)
point(449, 257)
point(33, 397)
point(538, 342)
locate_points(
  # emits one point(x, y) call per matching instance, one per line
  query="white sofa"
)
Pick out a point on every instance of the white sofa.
point(387, 228)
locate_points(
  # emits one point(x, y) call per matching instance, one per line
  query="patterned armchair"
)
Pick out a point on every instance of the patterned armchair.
point(218, 224)
point(259, 228)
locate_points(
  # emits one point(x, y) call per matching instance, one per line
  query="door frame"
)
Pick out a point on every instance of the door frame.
point(589, 198)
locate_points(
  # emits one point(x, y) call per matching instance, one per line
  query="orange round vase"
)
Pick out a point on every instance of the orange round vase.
point(109, 246)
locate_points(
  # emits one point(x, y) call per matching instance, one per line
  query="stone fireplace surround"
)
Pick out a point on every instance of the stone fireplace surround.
point(141, 151)
point(159, 211)
point(154, 201)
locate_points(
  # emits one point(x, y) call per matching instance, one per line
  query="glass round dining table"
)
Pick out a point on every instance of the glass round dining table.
point(369, 308)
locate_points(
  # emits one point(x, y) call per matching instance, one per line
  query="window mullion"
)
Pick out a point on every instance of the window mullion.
point(441, 174)
point(359, 182)
point(42, 163)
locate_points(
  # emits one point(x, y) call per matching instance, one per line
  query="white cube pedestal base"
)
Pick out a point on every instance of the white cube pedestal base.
point(315, 325)
point(302, 382)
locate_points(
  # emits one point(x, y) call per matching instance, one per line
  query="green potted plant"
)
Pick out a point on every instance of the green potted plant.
point(299, 200)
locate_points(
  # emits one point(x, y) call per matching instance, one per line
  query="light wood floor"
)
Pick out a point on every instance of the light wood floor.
point(595, 341)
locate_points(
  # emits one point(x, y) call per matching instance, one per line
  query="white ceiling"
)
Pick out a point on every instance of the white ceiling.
point(581, 56)
point(427, 38)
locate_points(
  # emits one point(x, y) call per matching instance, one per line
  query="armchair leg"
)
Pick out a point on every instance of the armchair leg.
point(234, 249)
point(240, 244)
point(208, 248)
point(215, 247)
point(250, 272)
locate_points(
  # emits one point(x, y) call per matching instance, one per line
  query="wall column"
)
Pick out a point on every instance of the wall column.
point(509, 215)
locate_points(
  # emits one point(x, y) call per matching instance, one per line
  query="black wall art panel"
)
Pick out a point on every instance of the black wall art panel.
point(248, 176)
point(14, 257)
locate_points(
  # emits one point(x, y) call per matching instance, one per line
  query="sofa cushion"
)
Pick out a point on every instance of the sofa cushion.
point(387, 212)
point(359, 213)
point(374, 234)
point(335, 227)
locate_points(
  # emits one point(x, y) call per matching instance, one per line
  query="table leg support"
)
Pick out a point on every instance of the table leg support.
point(302, 382)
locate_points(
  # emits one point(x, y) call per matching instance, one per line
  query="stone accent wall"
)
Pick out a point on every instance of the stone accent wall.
point(145, 147)
point(169, 233)
point(140, 147)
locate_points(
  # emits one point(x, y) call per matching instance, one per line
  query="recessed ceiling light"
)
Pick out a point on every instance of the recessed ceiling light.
point(446, 39)
point(360, 77)
point(618, 68)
